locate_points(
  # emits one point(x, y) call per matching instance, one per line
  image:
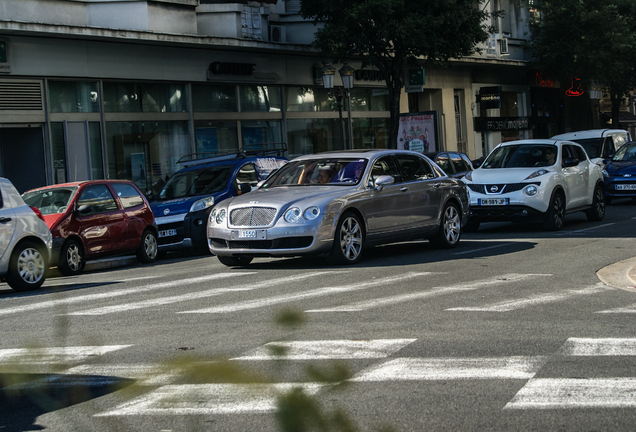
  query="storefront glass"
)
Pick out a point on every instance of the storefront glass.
point(146, 152)
point(260, 98)
point(308, 99)
point(95, 144)
point(73, 97)
point(307, 136)
point(260, 132)
point(369, 99)
point(59, 152)
point(135, 97)
point(370, 133)
point(216, 136)
point(214, 98)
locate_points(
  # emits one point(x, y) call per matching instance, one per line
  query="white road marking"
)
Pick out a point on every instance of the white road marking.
point(54, 355)
point(534, 300)
point(209, 399)
point(482, 249)
point(286, 298)
point(559, 393)
point(583, 230)
point(599, 347)
point(330, 349)
point(115, 293)
point(194, 295)
point(626, 310)
point(435, 291)
point(438, 369)
point(143, 374)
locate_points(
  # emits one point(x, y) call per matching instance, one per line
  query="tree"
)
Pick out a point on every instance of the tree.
point(390, 34)
point(592, 40)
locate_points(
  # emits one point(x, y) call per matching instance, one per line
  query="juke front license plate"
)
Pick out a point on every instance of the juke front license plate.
point(493, 201)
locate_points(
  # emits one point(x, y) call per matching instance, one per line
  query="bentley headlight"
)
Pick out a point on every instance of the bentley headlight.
point(202, 204)
point(220, 216)
point(311, 213)
point(293, 215)
point(537, 173)
point(531, 190)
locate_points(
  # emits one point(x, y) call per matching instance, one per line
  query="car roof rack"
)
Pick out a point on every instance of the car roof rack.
point(248, 150)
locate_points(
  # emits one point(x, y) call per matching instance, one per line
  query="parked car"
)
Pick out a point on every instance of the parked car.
point(454, 164)
point(25, 241)
point(599, 144)
point(620, 174)
point(184, 203)
point(337, 204)
point(535, 181)
point(93, 219)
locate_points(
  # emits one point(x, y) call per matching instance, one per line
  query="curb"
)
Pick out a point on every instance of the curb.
point(101, 264)
point(620, 275)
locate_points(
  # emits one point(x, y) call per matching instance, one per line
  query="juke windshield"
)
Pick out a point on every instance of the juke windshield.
point(521, 156)
point(202, 181)
point(318, 172)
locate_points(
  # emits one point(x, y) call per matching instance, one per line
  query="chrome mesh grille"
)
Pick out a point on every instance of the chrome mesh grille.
point(252, 216)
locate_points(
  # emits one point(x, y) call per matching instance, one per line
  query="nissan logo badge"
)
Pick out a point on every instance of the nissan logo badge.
point(494, 188)
point(166, 211)
point(627, 175)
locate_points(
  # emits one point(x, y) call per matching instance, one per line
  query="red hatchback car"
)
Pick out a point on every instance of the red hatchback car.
point(92, 219)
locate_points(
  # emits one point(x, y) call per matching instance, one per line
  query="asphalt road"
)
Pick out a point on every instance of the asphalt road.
point(512, 330)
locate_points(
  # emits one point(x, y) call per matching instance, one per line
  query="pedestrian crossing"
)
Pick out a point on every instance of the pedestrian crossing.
point(166, 396)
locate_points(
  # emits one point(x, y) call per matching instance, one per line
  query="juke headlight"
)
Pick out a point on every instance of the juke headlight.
point(537, 173)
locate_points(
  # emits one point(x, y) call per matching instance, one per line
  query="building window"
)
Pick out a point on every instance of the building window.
point(370, 133)
point(308, 99)
point(73, 97)
point(261, 132)
point(305, 136)
point(135, 97)
point(59, 152)
point(260, 98)
point(146, 152)
point(214, 98)
point(368, 99)
point(216, 136)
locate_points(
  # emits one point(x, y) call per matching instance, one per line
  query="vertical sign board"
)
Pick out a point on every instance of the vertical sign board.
point(415, 80)
point(418, 132)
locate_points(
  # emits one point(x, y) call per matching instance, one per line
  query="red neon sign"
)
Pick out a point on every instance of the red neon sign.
point(576, 89)
point(543, 82)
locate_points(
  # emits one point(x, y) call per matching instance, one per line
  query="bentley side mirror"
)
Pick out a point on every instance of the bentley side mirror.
point(383, 180)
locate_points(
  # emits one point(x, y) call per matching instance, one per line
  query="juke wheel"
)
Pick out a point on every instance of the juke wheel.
point(27, 267)
point(556, 213)
point(597, 212)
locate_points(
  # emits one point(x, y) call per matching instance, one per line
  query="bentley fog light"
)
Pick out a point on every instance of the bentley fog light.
point(311, 213)
point(532, 190)
point(293, 215)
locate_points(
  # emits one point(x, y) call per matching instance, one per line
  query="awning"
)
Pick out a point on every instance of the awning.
point(624, 117)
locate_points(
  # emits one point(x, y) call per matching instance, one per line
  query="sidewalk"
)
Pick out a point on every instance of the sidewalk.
point(620, 275)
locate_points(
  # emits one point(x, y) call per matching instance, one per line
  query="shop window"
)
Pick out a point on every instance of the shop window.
point(261, 132)
point(260, 98)
point(163, 98)
point(370, 133)
point(216, 136)
point(73, 97)
point(59, 153)
point(146, 152)
point(95, 144)
point(214, 98)
point(369, 99)
point(122, 97)
point(308, 99)
point(305, 136)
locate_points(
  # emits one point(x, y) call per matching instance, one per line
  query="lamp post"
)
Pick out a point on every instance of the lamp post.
point(346, 74)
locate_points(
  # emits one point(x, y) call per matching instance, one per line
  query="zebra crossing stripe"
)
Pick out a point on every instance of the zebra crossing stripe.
point(54, 355)
point(193, 296)
point(148, 375)
point(510, 305)
point(330, 349)
point(626, 310)
point(209, 399)
point(287, 298)
point(435, 291)
point(559, 393)
point(437, 369)
point(115, 293)
point(599, 347)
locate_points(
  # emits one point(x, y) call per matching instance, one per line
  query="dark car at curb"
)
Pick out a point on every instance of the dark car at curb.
point(184, 203)
point(336, 204)
point(619, 174)
point(93, 219)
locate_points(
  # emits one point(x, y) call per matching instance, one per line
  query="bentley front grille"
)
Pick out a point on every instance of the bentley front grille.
point(252, 216)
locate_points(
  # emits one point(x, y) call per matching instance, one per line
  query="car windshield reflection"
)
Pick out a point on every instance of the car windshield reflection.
point(318, 172)
point(50, 201)
point(202, 181)
point(627, 153)
point(521, 156)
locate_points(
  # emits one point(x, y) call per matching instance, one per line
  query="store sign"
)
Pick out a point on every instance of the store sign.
point(543, 82)
point(489, 97)
point(496, 124)
point(415, 80)
point(575, 89)
point(223, 68)
point(368, 75)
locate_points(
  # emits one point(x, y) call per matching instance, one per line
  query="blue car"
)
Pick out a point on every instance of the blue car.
point(184, 203)
point(620, 174)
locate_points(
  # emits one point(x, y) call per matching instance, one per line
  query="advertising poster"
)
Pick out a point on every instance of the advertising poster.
point(417, 132)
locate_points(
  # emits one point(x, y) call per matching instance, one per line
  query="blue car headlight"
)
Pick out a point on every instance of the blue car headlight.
point(202, 204)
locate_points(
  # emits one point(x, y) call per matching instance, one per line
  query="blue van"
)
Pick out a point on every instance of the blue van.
point(184, 203)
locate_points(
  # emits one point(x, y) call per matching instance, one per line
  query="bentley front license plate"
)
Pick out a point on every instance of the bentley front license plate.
point(168, 233)
point(626, 187)
point(247, 234)
point(493, 201)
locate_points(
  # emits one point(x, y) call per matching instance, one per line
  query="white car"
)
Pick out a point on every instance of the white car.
point(25, 241)
point(537, 181)
point(599, 144)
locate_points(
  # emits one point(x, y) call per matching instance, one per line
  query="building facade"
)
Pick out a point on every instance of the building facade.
point(123, 89)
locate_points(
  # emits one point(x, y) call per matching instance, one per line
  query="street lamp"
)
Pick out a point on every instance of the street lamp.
point(346, 74)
